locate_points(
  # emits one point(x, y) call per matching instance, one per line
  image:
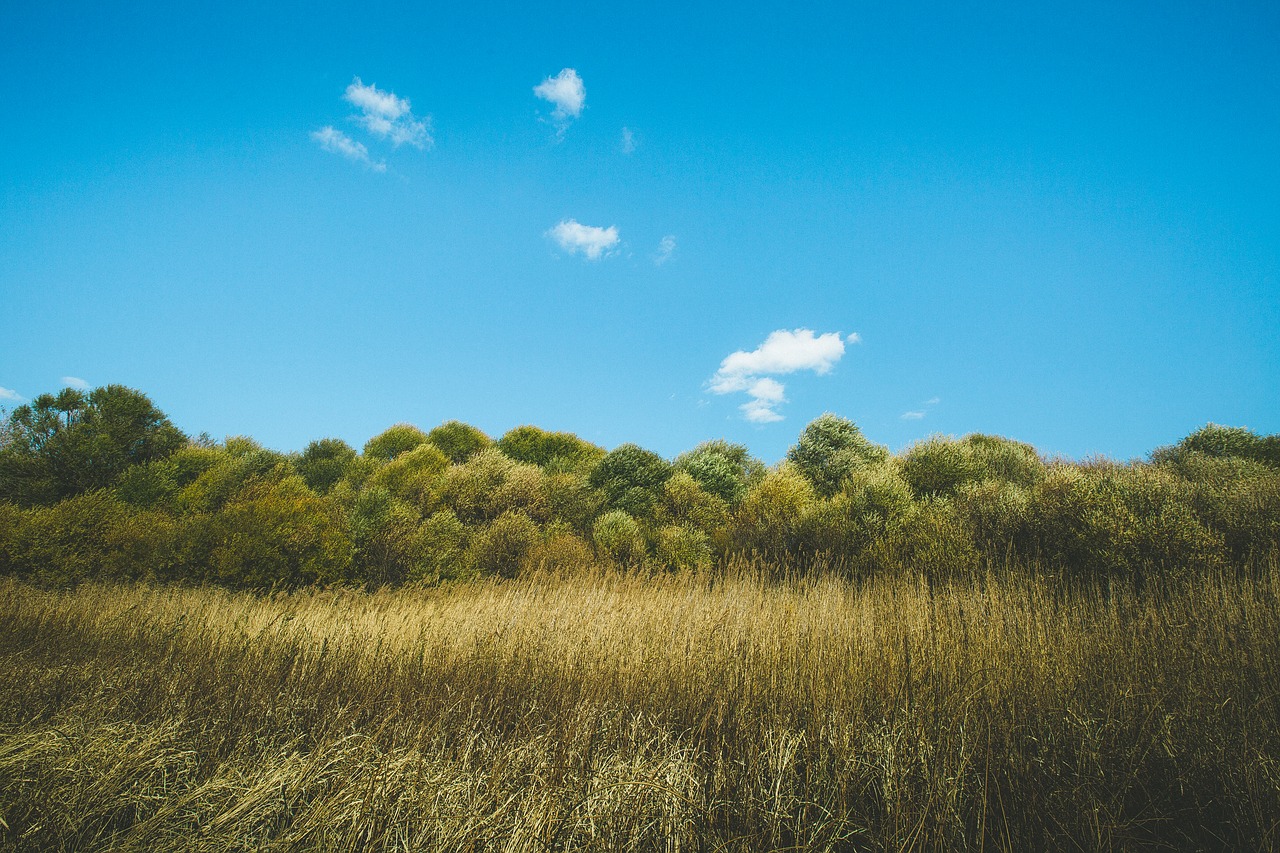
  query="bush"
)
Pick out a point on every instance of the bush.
point(571, 500)
point(323, 463)
point(388, 539)
point(931, 540)
point(393, 441)
point(681, 548)
point(413, 476)
point(939, 465)
point(772, 519)
point(504, 546)
point(93, 536)
point(458, 441)
point(1122, 521)
point(278, 534)
point(562, 450)
point(233, 471)
point(561, 550)
point(1224, 442)
point(685, 503)
point(831, 448)
point(1005, 460)
point(490, 484)
point(722, 469)
point(631, 479)
point(444, 542)
point(1239, 500)
point(617, 536)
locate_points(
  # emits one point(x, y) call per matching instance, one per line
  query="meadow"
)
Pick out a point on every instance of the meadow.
point(601, 709)
point(444, 641)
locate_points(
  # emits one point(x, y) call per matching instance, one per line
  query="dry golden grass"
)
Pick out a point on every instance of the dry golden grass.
point(612, 711)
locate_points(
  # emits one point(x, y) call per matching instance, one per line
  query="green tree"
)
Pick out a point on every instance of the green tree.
point(278, 534)
point(631, 479)
point(393, 441)
point(563, 450)
point(1224, 442)
point(67, 444)
point(721, 468)
point(829, 449)
point(458, 441)
point(323, 463)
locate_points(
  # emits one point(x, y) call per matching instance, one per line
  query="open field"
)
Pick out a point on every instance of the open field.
point(617, 711)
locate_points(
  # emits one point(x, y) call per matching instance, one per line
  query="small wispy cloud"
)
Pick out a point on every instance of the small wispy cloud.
point(666, 248)
point(75, 382)
point(854, 338)
point(628, 141)
point(567, 93)
point(591, 241)
point(10, 394)
point(334, 140)
point(919, 414)
point(783, 352)
point(386, 115)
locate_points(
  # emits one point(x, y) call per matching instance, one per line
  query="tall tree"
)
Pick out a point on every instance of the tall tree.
point(66, 444)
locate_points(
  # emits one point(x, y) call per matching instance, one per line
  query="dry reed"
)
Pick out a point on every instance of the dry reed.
point(613, 711)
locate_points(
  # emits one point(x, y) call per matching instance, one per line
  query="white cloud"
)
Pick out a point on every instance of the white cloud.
point(389, 116)
point(783, 352)
point(666, 248)
point(766, 395)
point(10, 394)
point(591, 240)
point(566, 91)
point(912, 416)
point(332, 139)
point(933, 401)
point(628, 141)
point(75, 382)
point(854, 338)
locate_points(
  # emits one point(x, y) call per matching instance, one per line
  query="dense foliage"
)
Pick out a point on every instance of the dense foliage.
point(102, 485)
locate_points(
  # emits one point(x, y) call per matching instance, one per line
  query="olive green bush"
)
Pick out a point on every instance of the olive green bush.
point(631, 479)
point(618, 537)
point(563, 451)
point(505, 545)
point(458, 441)
point(393, 441)
point(831, 448)
point(323, 463)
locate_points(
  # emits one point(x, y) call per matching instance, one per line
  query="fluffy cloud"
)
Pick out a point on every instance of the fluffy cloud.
point(783, 352)
point(666, 248)
point(332, 139)
point(590, 240)
point(766, 395)
point(388, 116)
point(75, 382)
point(10, 394)
point(566, 92)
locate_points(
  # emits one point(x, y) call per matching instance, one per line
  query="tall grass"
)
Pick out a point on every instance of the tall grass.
point(613, 711)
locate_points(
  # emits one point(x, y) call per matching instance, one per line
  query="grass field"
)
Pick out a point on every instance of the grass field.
point(613, 711)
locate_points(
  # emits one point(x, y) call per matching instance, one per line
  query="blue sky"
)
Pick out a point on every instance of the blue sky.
point(1058, 224)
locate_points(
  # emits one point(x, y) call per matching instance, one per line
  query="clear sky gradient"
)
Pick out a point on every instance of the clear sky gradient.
point(1059, 224)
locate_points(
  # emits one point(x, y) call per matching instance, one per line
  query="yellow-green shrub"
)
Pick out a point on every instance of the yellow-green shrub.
point(503, 546)
point(618, 536)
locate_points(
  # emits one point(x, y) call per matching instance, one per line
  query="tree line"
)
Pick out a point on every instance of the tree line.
point(102, 485)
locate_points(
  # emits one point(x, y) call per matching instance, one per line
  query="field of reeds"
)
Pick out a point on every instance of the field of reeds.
point(605, 710)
